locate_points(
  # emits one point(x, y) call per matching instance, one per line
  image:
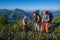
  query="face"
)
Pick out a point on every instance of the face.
point(49, 12)
point(34, 14)
point(44, 12)
point(25, 17)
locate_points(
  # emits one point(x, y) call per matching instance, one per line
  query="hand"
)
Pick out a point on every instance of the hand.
point(37, 21)
point(46, 20)
point(42, 20)
point(33, 21)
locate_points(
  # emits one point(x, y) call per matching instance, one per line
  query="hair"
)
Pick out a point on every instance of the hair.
point(36, 13)
point(47, 12)
point(24, 16)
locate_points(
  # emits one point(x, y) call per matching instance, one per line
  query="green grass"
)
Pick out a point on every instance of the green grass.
point(14, 31)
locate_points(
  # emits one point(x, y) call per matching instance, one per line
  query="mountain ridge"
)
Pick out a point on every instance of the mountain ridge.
point(19, 14)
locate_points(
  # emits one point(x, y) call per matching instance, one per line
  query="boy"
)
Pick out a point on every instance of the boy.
point(25, 21)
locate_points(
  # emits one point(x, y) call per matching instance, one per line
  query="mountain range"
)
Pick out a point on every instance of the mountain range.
point(19, 14)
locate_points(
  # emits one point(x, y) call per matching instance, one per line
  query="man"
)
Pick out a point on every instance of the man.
point(39, 13)
point(36, 21)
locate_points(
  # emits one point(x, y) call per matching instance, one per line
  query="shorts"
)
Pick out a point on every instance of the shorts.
point(24, 27)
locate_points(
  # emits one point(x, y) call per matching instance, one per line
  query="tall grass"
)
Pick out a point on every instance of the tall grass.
point(14, 32)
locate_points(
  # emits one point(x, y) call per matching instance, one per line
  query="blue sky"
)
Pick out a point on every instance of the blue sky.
point(30, 4)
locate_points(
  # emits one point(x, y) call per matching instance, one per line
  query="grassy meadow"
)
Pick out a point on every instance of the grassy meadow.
point(14, 31)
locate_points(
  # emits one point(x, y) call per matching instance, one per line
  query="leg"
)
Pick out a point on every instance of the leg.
point(26, 28)
point(23, 27)
point(37, 26)
point(42, 28)
point(46, 28)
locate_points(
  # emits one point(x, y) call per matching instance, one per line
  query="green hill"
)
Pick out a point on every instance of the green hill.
point(14, 31)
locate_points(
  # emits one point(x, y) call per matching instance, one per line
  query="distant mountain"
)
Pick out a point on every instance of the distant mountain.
point(56, 13)
point(12, 15)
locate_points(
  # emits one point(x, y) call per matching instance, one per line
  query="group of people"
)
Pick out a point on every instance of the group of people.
point(41, 20)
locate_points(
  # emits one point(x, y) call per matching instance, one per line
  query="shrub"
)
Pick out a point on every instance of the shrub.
point(2, 18)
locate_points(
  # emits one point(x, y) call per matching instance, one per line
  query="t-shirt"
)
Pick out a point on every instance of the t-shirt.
point(25, 21)
point(46, 17)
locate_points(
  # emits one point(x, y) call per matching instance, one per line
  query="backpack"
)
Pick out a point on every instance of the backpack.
point(41, 14)
point(50, 16)
point(38, 18)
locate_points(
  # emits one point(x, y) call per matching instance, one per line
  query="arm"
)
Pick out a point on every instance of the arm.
point(42, 18)
point(23, 22)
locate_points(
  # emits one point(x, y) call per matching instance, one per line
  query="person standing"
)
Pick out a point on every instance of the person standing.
point(45, 22)
point(25, 21)
point(36, 21)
